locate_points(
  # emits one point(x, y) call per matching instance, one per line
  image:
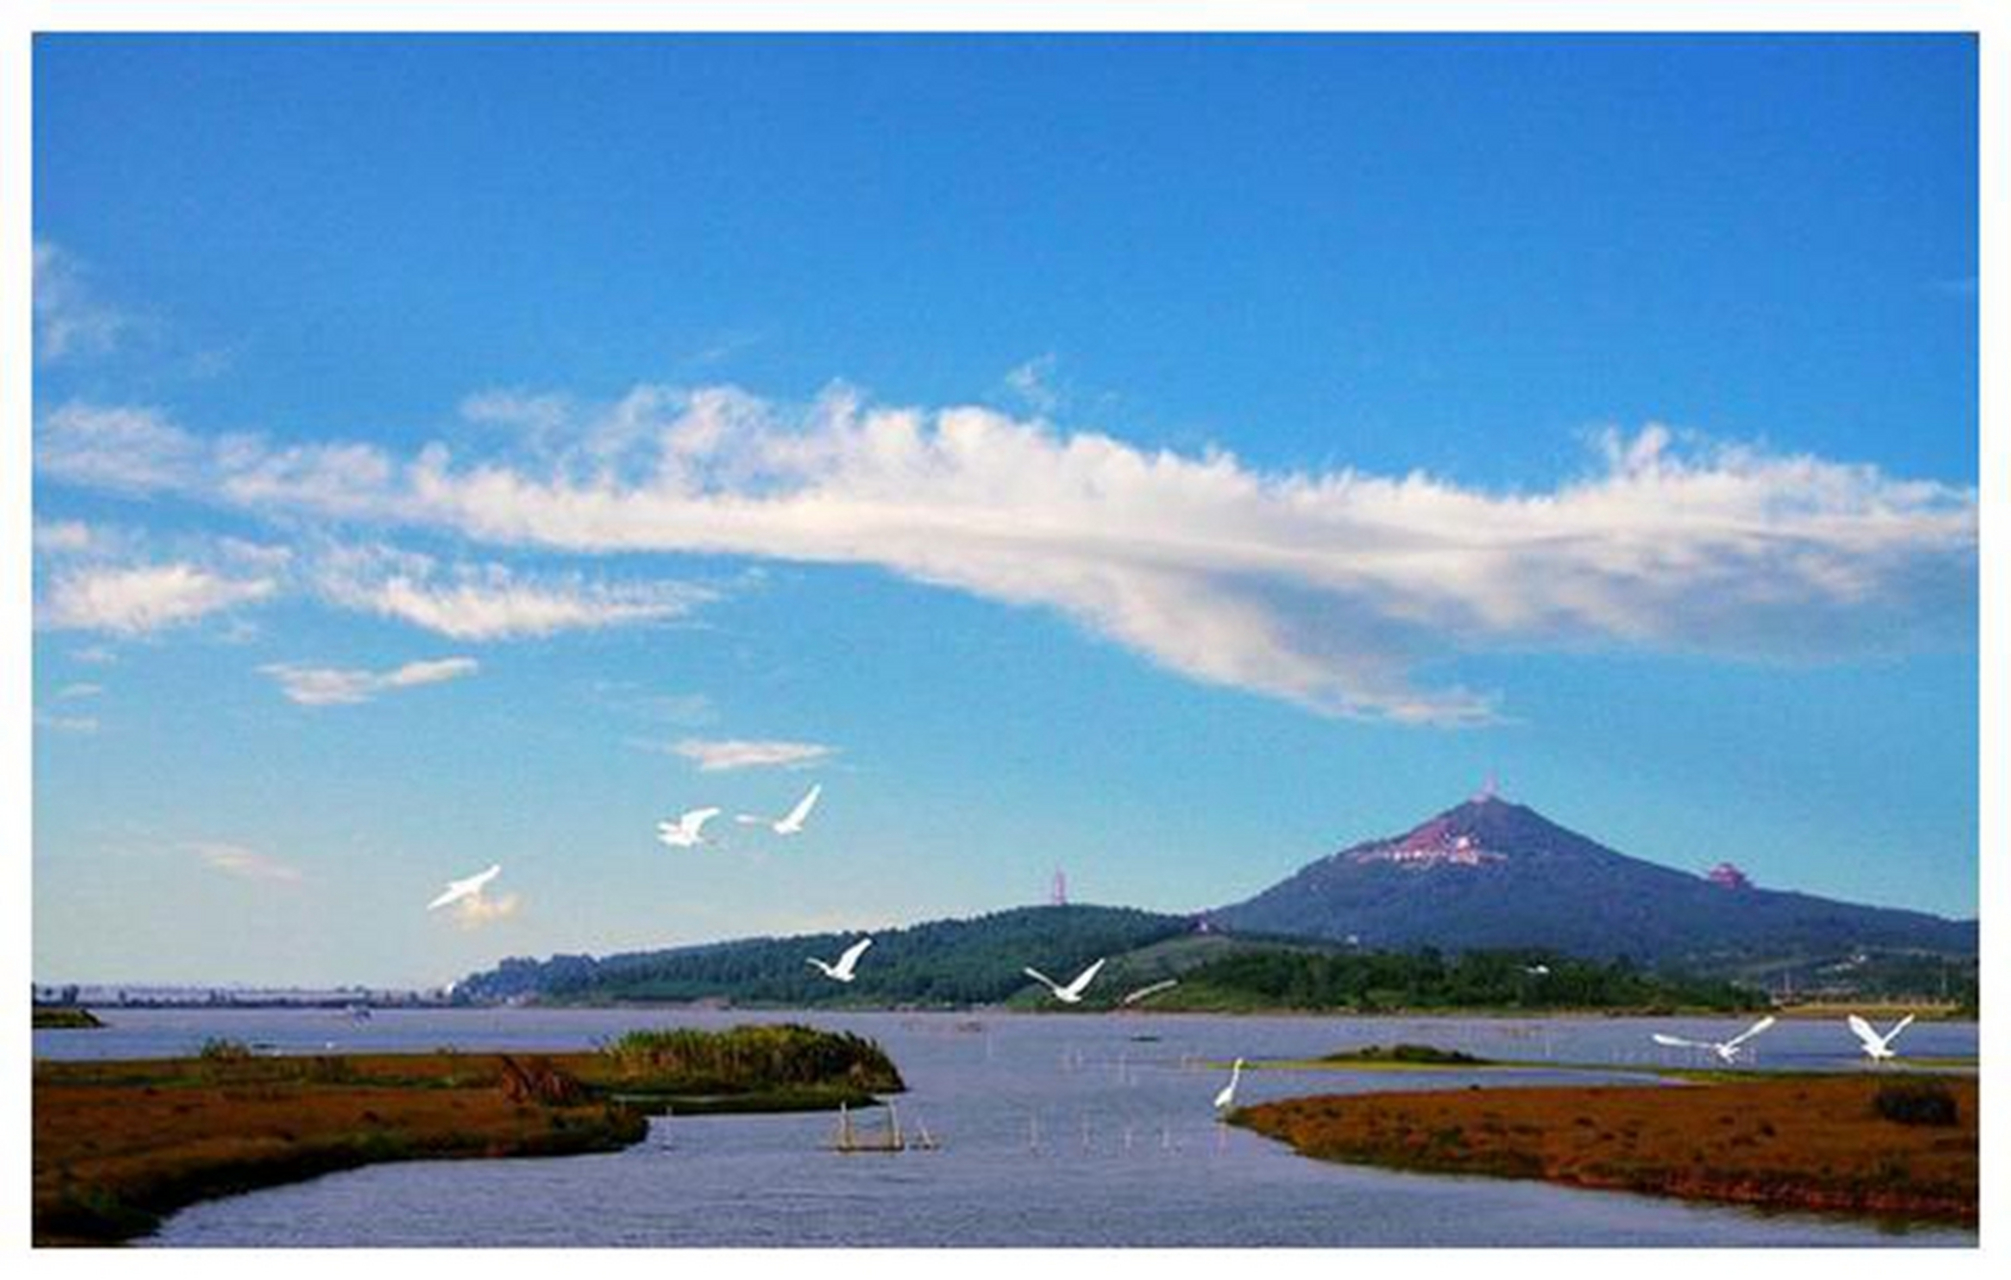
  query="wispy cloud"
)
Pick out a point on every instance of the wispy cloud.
point(66, 724)
point(246, 864)
point(1339, 591)
point(716, 755)
point(70, 319)
point(80, 689)
point(477, 910)
point(62, 537)
point(339, 686)
point(1033, 383)
point(131, 601)
point(491, 601)
point(125, 448)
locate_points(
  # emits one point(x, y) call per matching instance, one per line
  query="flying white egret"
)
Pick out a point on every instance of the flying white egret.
point(683, 834)
point(1728, 1050)
point(468, 888)
point(842, 971)
point(1153, 990)
point(791, 823)
point(1878, 1047)
point(1228, 1095)
point(1072, 993)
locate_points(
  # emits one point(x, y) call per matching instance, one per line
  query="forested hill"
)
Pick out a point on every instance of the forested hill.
point(942, 962)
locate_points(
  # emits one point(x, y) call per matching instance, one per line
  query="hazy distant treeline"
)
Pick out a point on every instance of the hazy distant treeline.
point(1369, 981)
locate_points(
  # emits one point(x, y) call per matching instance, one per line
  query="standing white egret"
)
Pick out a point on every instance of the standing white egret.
point(1072, 993)
point(468, 888)
point(842, 971)
point(1727, 1050)
point(684, 833)
point(1878, 1047)
point(1227, 1097)
point(790, 823)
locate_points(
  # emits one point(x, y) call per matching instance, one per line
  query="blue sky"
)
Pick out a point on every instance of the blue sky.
point(1169, 458)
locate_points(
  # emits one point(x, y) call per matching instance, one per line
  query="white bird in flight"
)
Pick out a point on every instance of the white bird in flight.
point(1072, 993)
point(842, 971)
point(1153, 990)
point(1228, 1094)
point(468, 888)
point(683, 834)
point(1728, 1050)
point(1878, 1047)
point(791, 823)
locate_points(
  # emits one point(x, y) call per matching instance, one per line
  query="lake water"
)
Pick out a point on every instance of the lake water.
point(1054, 1130)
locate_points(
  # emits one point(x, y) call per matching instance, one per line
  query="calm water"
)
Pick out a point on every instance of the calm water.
point(1059, 1130)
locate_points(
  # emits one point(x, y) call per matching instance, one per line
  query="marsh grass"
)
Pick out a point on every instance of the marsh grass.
point(1822, 1143)
point(119, 1143)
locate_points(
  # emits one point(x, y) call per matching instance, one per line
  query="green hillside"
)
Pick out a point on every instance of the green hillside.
point(940, 963)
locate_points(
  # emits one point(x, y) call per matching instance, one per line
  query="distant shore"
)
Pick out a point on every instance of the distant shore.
point(120, 1144)
point(1829, 1144)
point(65, 1018)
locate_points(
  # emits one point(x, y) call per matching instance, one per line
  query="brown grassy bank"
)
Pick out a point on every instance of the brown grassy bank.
point(1816, 1143)
point(117, 1145)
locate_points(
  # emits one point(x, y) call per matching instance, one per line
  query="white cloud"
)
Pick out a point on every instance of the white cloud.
point(1033, 382)
point(81, 689)
point(339, 686)
point(66, 724)
point(135, 600)
point(123, 448)
point(477, 910)
point(716, 755)
point(1339, 591)
point(70, 320)
point(246, 864)
point(63, 537)
point(490, 601)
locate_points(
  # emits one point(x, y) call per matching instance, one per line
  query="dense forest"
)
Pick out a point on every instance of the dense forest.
point(941, 963)
point(1367, 982)
point(952, 963)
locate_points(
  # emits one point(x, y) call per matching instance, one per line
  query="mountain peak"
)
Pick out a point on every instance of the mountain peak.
point(1492, 873)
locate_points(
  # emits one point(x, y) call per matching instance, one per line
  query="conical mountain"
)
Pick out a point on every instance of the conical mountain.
point(1489, 873)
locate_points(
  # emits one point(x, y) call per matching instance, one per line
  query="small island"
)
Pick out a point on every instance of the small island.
point(119, 1144)
point(65, 1017)
point(1898, 1147)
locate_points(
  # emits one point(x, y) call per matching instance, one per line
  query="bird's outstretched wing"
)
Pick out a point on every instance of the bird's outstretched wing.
point(1677, 1042)
point(853, 952)
point(1898, 1027)
point(451, 893)
point(803, 807)
point(1042, 978)
point(1750, 1032)
point(1083, 979)
point(1866, 1036)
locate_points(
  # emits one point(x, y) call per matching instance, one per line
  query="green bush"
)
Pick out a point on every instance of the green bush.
point(224, 1049)
point(752, 1058)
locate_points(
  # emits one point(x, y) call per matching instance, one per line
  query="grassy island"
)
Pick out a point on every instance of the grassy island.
point(119, 1144)
point(1894, 1147)
point(65, 1017)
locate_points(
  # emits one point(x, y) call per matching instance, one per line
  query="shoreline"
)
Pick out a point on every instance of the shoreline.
point(119, 1144)
point(1804, 1143)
